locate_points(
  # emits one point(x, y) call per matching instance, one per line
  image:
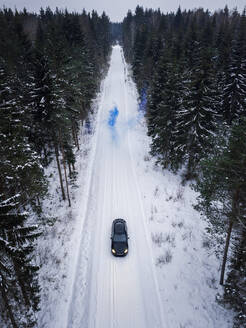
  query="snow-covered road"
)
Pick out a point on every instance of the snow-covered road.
point(121, 292)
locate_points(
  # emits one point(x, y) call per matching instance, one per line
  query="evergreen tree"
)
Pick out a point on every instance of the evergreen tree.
point(43, 106)
point(138, 55)
point(234, 80)
point(196, 120)
point(222, 186)
point(48, 78)
point(18, 273)
point(235, 283)
point(163, 145)
point(195, 83)
point(155, 95)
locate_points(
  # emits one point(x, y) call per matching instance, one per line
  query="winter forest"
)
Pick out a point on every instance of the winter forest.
point(190, 71)
point(51, 65)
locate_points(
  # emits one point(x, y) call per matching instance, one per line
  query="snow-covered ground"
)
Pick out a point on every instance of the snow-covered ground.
point(169, 278)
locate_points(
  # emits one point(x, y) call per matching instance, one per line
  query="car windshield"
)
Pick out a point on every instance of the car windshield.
point(120, 238)
point(119, 228)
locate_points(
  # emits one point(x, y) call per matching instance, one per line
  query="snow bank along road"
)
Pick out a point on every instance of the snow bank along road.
point(116, 292)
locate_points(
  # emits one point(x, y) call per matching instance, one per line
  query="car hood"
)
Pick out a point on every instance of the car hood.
point(120, 247)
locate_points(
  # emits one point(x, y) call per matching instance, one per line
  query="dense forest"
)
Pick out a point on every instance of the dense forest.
point(51, 65)
point(190, 70)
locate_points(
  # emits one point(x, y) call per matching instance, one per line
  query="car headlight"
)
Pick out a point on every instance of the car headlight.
point(113, 251)
point(125, 251)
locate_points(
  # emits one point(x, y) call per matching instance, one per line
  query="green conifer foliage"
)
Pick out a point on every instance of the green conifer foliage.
point(18, 273)
point(163, 144)
point(50, 70)
point(195, 81)
point(222, 186)
point(155, 96)
point(196, 120)
point(235, 285)
point(234, 82)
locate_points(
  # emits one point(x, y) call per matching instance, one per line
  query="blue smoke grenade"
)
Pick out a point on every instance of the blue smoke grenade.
point(113, 114)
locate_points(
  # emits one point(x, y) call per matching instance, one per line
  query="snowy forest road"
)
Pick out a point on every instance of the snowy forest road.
point(117, 292)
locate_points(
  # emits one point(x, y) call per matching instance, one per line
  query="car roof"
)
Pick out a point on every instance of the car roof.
point(119, 226)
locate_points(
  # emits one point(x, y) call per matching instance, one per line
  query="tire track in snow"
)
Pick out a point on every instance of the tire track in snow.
point(114, 285)
point(112, 309)
point(84, 216)
point(126, 92)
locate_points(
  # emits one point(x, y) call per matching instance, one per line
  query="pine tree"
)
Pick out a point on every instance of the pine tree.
point(155, 94)
point(196, 98)
point(234, 79)
point(164, 142)
point(46, 86)
point(222, 186)
point(20, 164)
point(128, 36)
point(18, 274)
point(235, 283)
point(43, 103)
point(196, 120)
point(138, 55)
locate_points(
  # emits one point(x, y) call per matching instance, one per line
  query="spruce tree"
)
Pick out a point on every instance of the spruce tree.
point(154, 98)
point(235, 284)
point(196, 98)
point(196, 120)
point(163, 144)
point(46, 86)
point(222, 186)
point(234, 79)
point(138, 55)
point(18, 273)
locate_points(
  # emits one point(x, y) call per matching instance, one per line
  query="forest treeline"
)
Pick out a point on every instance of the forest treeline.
point(190, 69)
point(51, 65)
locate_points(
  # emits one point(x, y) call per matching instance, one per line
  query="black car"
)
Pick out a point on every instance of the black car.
point(119, 237)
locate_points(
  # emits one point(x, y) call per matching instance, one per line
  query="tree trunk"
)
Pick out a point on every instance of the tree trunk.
point(45, 157)
point(73, 134)
point(69, 170)
point(22, 287)
point(234, 215)
point(82, 112)
point(76, 136)
point(228, 237)
point(7, 305)
point(59, 170)
point(190, 170)
point(65, 172)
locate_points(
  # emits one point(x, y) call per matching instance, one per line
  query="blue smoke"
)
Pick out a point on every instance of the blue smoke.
point(113, 114)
